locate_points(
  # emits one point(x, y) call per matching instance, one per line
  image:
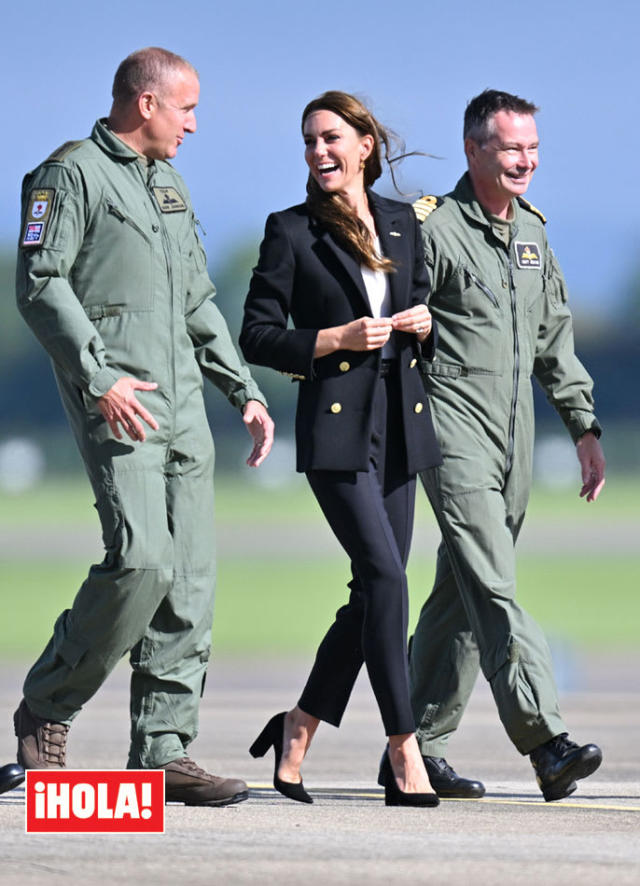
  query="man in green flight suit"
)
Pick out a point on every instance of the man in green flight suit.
point(112, 279)
point(500, 303)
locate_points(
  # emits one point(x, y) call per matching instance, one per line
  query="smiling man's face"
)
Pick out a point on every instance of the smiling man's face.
point(503, 166)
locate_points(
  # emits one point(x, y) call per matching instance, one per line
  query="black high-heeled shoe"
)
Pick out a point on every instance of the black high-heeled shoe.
point(272, 735)
point(393, 796)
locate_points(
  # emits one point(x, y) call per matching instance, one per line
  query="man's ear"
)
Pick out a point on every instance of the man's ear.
point(471, 148)
point(147, 104)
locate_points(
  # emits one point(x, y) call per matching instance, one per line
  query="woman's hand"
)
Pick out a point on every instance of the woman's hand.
point(416, 320)
point(363, 334)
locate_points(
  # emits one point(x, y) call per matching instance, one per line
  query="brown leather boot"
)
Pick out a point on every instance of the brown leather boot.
point(185, 782)
point(42, 744)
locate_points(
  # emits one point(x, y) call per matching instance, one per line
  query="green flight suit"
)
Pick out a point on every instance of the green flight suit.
point(112, 279)
point(500, 303)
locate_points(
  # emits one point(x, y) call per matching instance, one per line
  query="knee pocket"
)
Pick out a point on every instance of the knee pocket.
point(506, 651)
point(131, 539)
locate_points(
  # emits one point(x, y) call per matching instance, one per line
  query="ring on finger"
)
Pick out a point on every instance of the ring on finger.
point(419, 328)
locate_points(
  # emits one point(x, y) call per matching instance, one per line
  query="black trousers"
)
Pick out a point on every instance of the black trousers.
point(371, 514)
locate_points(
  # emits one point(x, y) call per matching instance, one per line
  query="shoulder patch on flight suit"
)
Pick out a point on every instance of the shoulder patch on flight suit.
point(169, 200)
point(62, 152)
point(526, 205)
point(425, 206)
point(38, 216)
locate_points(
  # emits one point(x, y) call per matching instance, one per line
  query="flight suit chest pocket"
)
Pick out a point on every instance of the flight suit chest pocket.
point(475, 291)
point(118, 271)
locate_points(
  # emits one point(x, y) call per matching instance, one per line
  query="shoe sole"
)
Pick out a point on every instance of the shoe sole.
point(227, 801)
point(448, 793)
point(565, 787)
point(453, 794)
point(558, 792)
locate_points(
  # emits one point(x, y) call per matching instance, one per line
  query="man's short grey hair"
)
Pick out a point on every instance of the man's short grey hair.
point(479, 123)
point(146, 70)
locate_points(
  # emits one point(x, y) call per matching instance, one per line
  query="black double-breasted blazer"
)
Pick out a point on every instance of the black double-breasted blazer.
point(304, 274)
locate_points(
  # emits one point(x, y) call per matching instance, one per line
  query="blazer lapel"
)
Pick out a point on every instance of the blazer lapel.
point(349, 263)
point(392, 231)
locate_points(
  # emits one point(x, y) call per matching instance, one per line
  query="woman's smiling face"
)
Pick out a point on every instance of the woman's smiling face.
point(335, 152)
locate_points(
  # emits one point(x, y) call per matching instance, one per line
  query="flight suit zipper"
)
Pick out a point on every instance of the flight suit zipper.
point(166, 247)
point(516, 370)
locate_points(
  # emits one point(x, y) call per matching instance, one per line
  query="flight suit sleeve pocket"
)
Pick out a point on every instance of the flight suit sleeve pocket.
point(198, 252)
point(555, 285)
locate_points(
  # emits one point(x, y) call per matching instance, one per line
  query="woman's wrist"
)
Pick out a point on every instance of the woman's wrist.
point(328, 341)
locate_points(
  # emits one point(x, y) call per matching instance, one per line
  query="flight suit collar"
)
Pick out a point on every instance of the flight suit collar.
point(465, 197)
point(110, 143)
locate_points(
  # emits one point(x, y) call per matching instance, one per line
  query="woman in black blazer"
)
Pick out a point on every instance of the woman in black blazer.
point(347, 267)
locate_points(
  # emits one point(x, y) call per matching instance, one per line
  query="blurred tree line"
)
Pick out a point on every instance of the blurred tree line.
point(30, 407)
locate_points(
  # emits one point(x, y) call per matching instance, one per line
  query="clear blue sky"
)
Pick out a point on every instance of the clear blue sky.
point(417, 61)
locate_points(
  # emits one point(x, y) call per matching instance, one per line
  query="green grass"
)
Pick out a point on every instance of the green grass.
point(237, 500)
point(278, 604)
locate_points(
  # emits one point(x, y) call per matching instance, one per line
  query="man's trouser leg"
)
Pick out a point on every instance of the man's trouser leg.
point(115, 604)
point(514, 655)
point(443, 662)
point(169, 663)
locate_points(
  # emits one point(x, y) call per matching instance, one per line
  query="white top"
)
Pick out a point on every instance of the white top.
point(379, 294)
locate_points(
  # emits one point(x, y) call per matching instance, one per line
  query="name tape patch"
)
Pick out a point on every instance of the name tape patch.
point(107, 801)
point(38, 216)
point(169, 200)
point(528, 255)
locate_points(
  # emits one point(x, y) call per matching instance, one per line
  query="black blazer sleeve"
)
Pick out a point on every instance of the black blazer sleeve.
point(421, 290)
point(265, 339)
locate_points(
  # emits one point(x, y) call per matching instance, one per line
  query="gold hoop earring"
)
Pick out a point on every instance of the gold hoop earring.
point(362, 164)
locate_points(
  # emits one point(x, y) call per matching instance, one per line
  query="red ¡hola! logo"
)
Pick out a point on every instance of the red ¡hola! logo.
point(94, 801)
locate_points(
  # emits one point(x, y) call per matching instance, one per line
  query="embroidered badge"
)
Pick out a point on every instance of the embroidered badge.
point(169, 200)
point(528, 255)
point(38, 216)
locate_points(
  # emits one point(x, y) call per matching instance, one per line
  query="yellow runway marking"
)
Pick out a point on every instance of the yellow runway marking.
point(364, 794)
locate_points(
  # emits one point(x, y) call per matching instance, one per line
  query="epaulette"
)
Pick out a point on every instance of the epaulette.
point(425, 206)
point(63, 151)
point(526, 205)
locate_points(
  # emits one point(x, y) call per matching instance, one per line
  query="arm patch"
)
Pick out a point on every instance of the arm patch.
point(38, 216)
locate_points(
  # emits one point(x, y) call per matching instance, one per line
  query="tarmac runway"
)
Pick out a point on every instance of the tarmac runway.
point(348, 836)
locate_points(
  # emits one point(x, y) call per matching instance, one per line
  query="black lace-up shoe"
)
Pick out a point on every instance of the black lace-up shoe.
point(559, 763)
point(42, 744)
point(445, 781)
point(11, 776)
point(185, 782)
